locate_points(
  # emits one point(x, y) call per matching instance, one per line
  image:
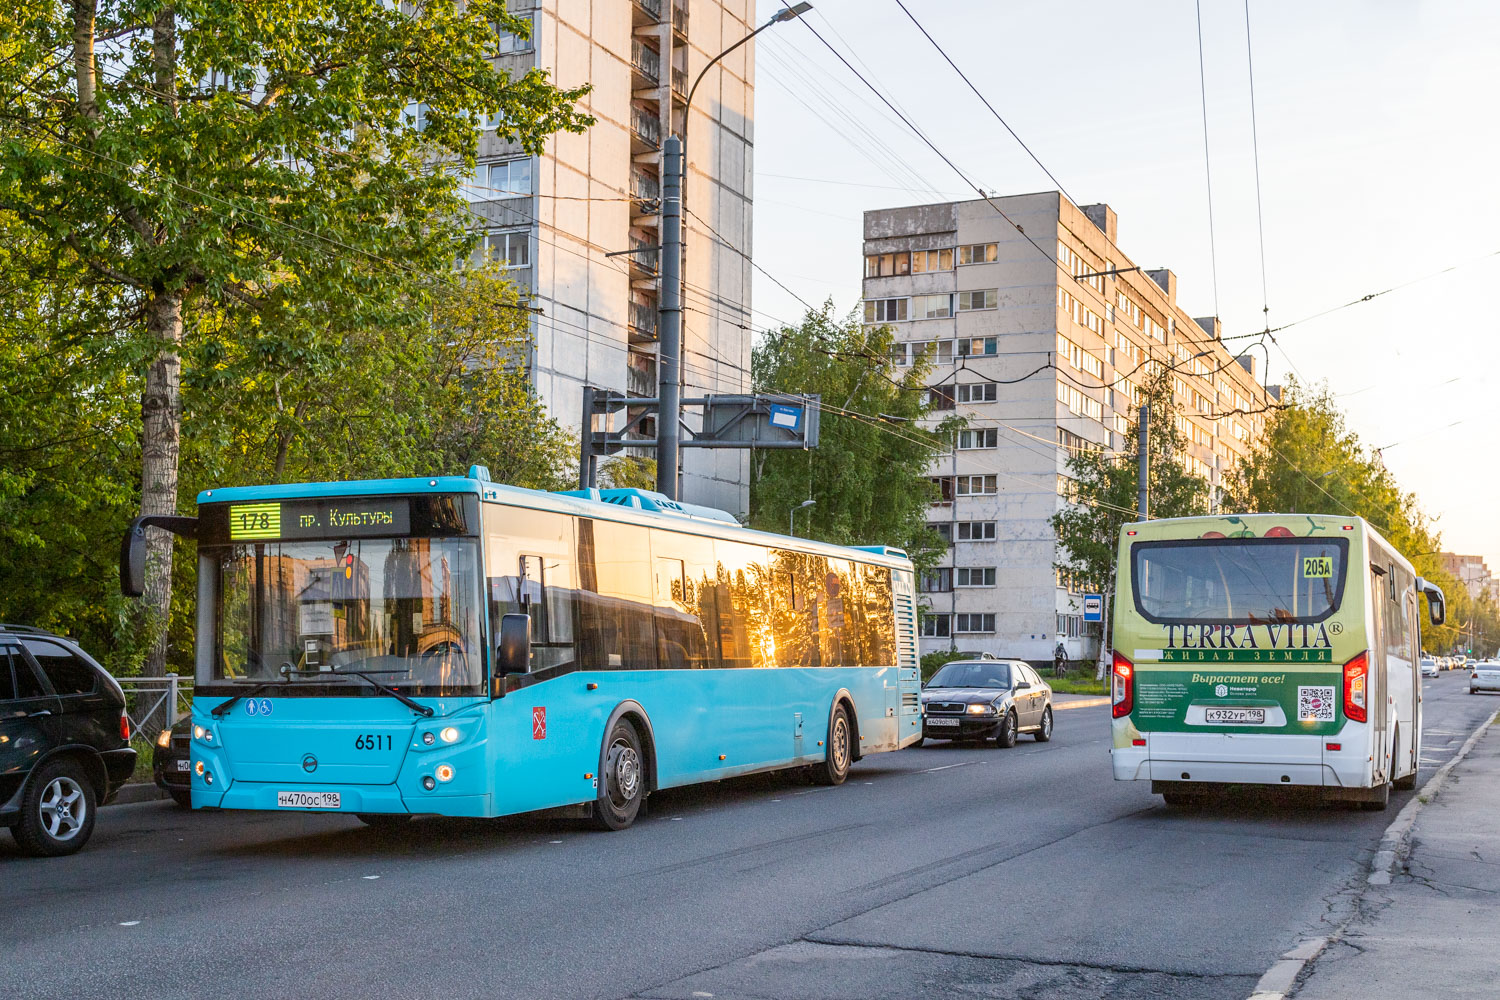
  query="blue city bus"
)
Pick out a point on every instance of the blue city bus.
point(453, 646)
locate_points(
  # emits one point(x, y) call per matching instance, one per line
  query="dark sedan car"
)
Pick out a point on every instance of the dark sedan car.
point(64, 740)
point(171, 762)
point(986, 699)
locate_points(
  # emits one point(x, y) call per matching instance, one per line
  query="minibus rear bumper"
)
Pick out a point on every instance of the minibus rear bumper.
point(1329, 761)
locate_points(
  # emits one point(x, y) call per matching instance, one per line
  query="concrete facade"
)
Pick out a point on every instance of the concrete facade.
point(992, 307)
point(598, 192)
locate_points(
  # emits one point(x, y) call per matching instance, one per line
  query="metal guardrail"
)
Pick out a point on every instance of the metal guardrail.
point(154, 703)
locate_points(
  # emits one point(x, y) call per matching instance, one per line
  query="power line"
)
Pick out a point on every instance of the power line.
point(985, 100)
point(1260, 219)
point(1207, 168)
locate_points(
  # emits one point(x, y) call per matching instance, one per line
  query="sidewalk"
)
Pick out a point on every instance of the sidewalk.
point(1431, 932)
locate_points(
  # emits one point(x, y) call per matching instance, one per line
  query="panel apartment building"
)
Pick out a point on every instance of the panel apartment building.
point(555, 218)
point(958, 282)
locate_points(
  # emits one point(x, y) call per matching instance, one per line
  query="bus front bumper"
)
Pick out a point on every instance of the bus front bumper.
point(351, 799)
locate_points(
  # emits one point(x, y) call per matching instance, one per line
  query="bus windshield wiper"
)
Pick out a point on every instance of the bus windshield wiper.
point(219, 709)
point(382, 688)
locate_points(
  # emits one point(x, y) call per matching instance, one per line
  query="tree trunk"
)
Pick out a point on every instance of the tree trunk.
point(161, 426)
point(83, 57)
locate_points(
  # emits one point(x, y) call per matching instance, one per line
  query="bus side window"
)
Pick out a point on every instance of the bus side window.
point(531, 569)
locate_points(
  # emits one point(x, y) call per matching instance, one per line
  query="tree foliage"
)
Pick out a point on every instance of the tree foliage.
point(869, 475)
point(1309, 461)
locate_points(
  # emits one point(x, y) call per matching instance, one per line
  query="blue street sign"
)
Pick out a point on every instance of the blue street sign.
point(1093, 607)
point(788, 418)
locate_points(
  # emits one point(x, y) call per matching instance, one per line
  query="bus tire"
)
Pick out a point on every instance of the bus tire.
point(835, 766)
point(383, 821)
point(1180, 800)
point(1005, 738)
point(1044, 732)
point(1379, 800)
point(184, 800)
point(622, 778)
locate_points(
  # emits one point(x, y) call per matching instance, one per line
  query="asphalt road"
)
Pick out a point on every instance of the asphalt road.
point(939, 871)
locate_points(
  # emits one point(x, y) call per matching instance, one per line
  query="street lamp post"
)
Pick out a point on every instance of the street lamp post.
point(791, 516)
point(669, 360)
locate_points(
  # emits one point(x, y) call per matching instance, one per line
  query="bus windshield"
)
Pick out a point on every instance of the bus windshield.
point(405, 608)
point(1238, 580)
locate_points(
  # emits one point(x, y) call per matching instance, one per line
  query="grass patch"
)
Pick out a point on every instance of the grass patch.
point(145, 753)
point(1077, 681)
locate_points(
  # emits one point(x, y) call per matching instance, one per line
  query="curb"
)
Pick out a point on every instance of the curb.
point(1085, 703)
point(138, 791)
point(1279, 979)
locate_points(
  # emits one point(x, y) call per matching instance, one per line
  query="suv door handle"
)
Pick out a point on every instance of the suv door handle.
point(45, 711)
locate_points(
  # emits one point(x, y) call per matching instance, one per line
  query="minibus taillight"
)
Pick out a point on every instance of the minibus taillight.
point(1356, 676)
point(1123, 689)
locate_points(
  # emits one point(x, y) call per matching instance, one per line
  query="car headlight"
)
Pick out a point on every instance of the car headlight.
point(164, 738)
point(981, 709)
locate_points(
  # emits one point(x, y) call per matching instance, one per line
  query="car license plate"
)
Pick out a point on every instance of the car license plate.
point(307, 800)
point(184, 765)
point(1237, 716)
point(941, 722)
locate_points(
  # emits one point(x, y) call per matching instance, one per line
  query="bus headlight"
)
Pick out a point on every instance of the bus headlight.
point(198, 732)
point(450, 734)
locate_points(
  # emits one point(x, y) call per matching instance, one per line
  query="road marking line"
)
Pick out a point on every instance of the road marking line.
point(369, 878)
point(1088, 703)
point(129, 923)
point(929, 770)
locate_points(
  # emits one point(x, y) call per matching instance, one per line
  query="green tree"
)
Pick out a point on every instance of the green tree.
point(628, 472)
point(1105, 491)
point(194, 156)
point(869, 475)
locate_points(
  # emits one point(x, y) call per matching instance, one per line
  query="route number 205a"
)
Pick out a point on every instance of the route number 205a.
point(372, 741)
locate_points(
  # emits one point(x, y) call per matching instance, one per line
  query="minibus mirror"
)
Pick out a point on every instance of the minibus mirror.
point(1437, 605)
point(133, 548)
point(513, 655)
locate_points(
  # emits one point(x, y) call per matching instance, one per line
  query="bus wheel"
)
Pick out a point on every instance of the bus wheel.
point(383, 821)
point(622, 778)
point(835, 766)
point(1381, 799)
point(1180, 800)
point(1006, 737)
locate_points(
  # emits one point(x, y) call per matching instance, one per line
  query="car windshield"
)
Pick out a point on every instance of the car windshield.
point(405, 610)
point(987, 674)
point(1238, 580)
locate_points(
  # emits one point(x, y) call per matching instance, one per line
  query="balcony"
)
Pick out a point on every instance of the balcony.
point(645, 192)
point(646, 127)
point(646, 60)
point(642, 325)
point(640, 374)
point(647, 12)
point(680, 20)
point(679, 83)
point(644, 260)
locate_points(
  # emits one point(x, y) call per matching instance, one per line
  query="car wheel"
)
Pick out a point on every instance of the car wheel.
point(383, 821)
point(57, 811)
point(1006, 737)
point(183, 799)
point(1044, 733)
point(835, 766)
point(921, 741)
point(1472, 691)
point(622, 778)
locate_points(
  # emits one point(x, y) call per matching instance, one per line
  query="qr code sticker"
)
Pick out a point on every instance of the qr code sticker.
point(1315, 704)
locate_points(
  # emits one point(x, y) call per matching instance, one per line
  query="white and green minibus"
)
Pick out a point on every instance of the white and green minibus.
point(1267, 649)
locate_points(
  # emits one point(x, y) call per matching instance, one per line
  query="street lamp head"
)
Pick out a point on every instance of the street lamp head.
point(806, 503)
point(794, 11)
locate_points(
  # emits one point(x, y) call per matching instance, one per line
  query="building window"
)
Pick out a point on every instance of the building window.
point(885, 310)
point(1075, 265)
point(976, 392)
point(931, 306)
point(940, 397)
point(943, 529)
point(977, 253)
point(973, 486)
point(510, 249)
point(1079, 358)
point(975, 346)
point(1075, 444)
point(945, 486)
point(510, 179)
point(983, 298)
point(1073, 399)
point(936, 626)
point(887, 265)
point(976, 531)
point(974, 576)
point(510, 41)
point(931, 260)
point(938, 352)
point(973, 623)
point(981, 437)
point(937, 581)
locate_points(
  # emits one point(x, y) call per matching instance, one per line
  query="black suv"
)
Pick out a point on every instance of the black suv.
point(64, 740)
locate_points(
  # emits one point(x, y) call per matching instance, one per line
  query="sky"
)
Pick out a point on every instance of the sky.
point(1379, 155)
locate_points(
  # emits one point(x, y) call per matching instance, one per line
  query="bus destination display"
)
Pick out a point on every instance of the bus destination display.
point(319, 518)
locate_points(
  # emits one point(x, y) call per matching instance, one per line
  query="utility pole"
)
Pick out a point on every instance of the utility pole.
point(669, 351)
point(1142, 501)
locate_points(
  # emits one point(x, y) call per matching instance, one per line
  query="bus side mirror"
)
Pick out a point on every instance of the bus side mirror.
point(1437, 605)
point(133, 548)
point(513, 655)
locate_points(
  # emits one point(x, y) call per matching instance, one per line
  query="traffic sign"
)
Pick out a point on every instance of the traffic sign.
point(1093, 607)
